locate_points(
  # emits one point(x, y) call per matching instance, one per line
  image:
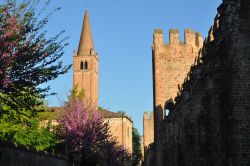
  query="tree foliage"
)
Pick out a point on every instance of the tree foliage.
point(88, 138)
point(27, 60)
point(137, 153)
point(37, 137)
point(27, 133)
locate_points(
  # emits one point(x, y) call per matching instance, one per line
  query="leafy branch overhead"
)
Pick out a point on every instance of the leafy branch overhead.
point(27, 58)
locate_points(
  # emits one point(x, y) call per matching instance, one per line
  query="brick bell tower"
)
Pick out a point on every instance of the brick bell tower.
point(85, 64)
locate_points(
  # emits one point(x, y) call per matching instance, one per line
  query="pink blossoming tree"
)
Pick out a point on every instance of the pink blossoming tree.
point(87, 137)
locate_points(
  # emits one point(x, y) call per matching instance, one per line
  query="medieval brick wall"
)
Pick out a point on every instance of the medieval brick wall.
point(148, 129)
point(210, 122)
point(171, 63)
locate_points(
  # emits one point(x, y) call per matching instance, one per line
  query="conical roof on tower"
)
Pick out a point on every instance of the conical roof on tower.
point(86, 43)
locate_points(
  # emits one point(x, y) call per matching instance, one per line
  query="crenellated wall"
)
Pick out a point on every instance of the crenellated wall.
point(171, 63)
point(209, 123)
point(148, 135)
point(148, 128)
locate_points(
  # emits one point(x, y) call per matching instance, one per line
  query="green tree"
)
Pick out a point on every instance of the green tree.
point(40, 138)
point(75, 94)
point(27, 60)
point(137, 153)
point(123, 113)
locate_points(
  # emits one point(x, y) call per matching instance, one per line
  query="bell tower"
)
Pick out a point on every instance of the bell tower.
point(85, 64)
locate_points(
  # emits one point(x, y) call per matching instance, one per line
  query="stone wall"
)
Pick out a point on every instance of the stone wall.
point(210, 123)
point(11, 155)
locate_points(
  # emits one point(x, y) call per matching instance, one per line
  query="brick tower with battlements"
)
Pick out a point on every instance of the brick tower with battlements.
point(148, 135)
point(171, 63)
point(86, 64)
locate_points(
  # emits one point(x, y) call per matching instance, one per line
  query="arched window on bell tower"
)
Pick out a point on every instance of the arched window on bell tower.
point(86, 65)
point(81, 66)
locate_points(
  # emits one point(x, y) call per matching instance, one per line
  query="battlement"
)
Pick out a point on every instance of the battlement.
point(158, 31)
point(174, 36)
point(190, 37)
point(148, 129)
point(146, 116)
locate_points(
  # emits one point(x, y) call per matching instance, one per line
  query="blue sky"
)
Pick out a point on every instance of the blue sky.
point(123, 33)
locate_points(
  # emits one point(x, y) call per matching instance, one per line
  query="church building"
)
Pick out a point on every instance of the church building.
point(85, 71)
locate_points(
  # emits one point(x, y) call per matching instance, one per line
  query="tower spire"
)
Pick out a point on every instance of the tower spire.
point(86, 43)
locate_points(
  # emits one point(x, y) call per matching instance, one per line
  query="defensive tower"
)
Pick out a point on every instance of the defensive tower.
point(171, 63)
point(148, 135)
point(148, 128)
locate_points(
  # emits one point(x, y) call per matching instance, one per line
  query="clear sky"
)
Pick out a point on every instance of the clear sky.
point(123, 33)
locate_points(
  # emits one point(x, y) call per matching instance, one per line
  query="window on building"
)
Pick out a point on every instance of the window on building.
point(166, 112)
point(81, 66)
point(86, 65)
point(169, 107)
point(128, 131)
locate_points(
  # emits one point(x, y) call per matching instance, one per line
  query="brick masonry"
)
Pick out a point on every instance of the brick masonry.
point(209, 125)
point(86, 76)
point(171, 63)
point(148, 135)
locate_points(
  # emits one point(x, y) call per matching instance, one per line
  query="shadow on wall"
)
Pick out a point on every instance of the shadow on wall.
point(13, 155)
point(149, 155)
point(1, 157)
